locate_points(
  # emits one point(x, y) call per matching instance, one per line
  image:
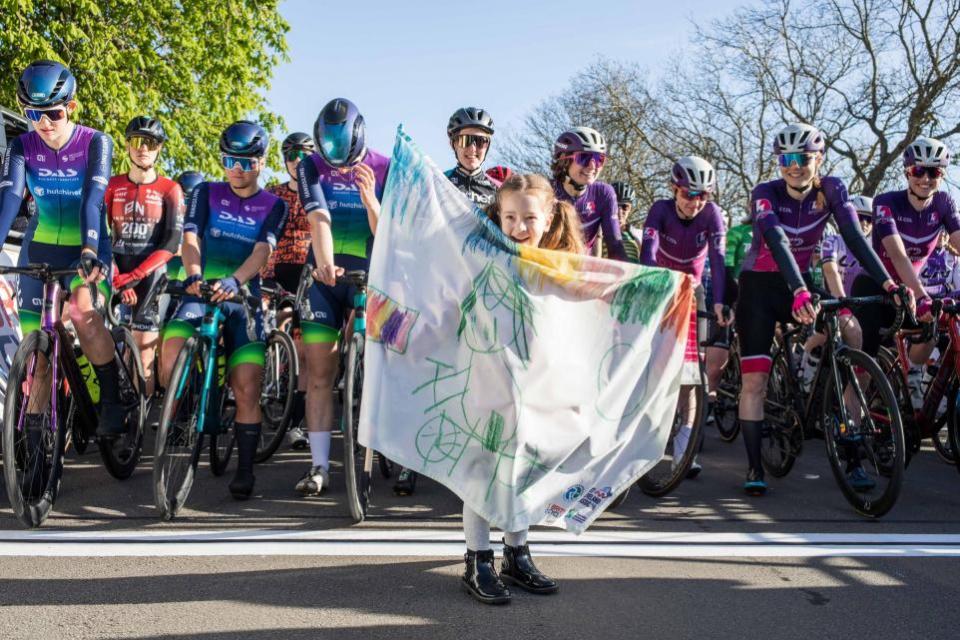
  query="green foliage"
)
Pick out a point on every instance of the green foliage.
point(198, 65)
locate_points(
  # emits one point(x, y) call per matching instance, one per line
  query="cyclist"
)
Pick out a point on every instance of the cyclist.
point(907, 226)
point(230, 230)
point(499, 174)
point(286, 263)
point(145, 212)
point(188, 181)
point(470, 130)
point(739, 238)
point(66, 167)
point(940, 265)
point(541, 221)
point(340, 188)
point(625, 197)
point(679, 234)
point(578, 158)
point(789, 216)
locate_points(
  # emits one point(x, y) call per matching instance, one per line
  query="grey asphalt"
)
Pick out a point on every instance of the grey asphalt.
point(293, 597)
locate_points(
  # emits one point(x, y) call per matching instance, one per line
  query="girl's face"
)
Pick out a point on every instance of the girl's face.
point(799, 176)
point(523, 217)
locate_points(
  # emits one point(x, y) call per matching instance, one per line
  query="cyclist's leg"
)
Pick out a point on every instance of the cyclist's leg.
point(321, 331)
point(184, 324)
point(29, 306)
point(146, 326)
point(245, 354)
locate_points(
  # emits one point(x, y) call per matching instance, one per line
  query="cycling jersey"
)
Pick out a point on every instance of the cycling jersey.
point(478, 187)
point(335, 190)
point(294, 246)
point(631, 248)
point(144, 218)
point(597, 209)
point(739, 238)
point(229, 226)
point(834, 249)
point(683, 245)
point(937, 273)
point(919, 230)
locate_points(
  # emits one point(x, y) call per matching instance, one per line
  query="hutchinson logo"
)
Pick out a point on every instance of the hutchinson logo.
point(573, 492)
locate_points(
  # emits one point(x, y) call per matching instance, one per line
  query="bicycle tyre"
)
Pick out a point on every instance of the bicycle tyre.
point(357, 459)
point(890, 365)
point(659, 482)
point(223, 441)
point(727, 403)
point(280, 375)
point(783, 431)
point(31, 511)
point(178, 446)
point(893, 468)
point(121, 455)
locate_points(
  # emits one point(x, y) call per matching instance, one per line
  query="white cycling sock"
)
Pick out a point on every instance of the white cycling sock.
point(320, 448)
point(515, 538)
point(476, 530)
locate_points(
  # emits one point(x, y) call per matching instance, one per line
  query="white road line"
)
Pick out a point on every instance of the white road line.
point(413, 542)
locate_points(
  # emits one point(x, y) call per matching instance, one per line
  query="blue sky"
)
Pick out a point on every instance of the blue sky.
point(417, 62)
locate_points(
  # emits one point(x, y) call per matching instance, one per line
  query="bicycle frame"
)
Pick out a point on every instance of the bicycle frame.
point(948, 371)
point(208, 336)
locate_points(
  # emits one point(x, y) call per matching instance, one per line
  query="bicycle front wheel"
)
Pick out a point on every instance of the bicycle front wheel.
point(673, 468)
point(783, 434)
point(357, 459)
point(178, 439)
point(280, 373)
point(863, 433)
point(121, 455)
point(728, 399)
point(33, 444)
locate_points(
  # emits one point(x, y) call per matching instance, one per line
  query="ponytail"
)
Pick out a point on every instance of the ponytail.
point(821, 198)
point(564, 233)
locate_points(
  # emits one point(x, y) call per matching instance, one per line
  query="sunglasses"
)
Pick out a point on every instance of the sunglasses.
point(689, 194)
point(584, 158)
point(296, 154)
point(245, 164)
point(931, 172)
point(865, 218)
point(465, 140)
point(143, 141)
point(53, 115)
point(623, 205)
point(799, 159)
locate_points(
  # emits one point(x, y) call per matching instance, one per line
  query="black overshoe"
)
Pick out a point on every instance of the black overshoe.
point(248, 435)
point(480, 578)
point(110, 419)
point(517, 568)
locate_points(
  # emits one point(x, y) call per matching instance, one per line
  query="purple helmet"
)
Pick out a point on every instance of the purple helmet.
point(799, 138)
point(340, 133)
point(695, 173)
point(579, 139)
point(926, 152)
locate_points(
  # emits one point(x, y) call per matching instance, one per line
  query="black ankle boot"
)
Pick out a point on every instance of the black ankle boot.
point(248, 435)
point(517, 568)
point(480, 578)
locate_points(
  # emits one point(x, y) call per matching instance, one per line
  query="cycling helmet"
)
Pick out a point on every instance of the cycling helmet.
point(799, 138)
point(693, 172)
point(499, 173)
point(340, 133)
point(624, 191)
point(297, 141)
point(46, 83)
point(863, 205)
point(579, 139)
point(188, 181)
point(147, 127)
point(466, 117)
point(926, 152)
point(244, 138)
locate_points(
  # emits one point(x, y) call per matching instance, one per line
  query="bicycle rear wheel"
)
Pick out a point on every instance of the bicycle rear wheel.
point(357, 459)
point(121, 455)
point(32, 449)
point(280, 373)
point(728, 400)
point(178, 440)
point(667, 474)
point(892, 371)
point(783, 431)
point(862, 429)
point(223, 439)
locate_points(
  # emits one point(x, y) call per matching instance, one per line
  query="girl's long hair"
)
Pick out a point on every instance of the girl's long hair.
point(564, 233)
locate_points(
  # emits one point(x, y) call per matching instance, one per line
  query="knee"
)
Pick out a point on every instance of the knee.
point(246, 389)
point(753, 385)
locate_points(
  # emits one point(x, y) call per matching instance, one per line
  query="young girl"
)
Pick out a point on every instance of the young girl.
point(528, 212)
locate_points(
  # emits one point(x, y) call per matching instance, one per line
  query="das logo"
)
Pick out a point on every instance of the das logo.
point(59, 173)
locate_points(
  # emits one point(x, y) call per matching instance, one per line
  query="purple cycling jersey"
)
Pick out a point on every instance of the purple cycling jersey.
point(683, 245)
point(834, 249)
point(802, 221)
point(936, 273)
point(597, 209)
point(919, 230)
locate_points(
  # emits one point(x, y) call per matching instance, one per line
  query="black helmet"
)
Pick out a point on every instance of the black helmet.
point(297, 141)
point(624, 191)
point(469, 117)
point(46, 83)
point(244, 138)
point(188, 181)
point(147, 127)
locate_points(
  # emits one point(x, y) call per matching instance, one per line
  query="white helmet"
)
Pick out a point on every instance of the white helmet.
point(579, 139)
point(799, 138)
point(694, 173)
point(863, 205)
point(926, 152)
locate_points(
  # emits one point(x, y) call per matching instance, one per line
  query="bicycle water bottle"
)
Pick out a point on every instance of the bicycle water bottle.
point(89, 376)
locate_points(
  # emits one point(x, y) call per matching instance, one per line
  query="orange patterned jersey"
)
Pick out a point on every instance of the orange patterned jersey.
point(293, 246)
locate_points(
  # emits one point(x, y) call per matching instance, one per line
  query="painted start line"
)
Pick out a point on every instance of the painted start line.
point(421, 542)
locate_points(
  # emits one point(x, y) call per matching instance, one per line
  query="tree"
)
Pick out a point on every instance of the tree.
point(198, 65)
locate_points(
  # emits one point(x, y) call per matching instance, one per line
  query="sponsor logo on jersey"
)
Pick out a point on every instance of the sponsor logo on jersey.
point(59, 173)
point(100, 180)
point(701, 238)
point(224, 203)
point(244, 220)
point(762, 205)
point(41, 157)
point(884, 211)
point(650, 232)
point(215, 232)
point(38, 191)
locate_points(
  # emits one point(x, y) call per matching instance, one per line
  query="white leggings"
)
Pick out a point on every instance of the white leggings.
point(476, 530)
